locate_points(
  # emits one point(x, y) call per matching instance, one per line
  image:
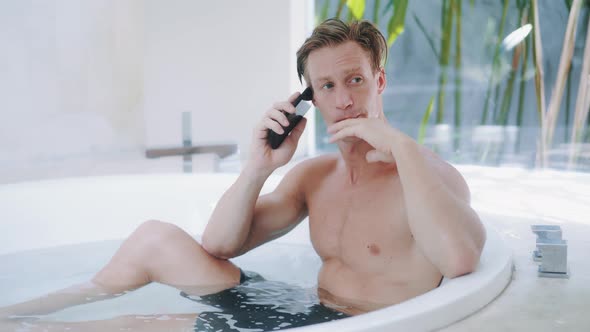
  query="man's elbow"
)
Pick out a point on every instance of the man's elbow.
point(461, 264)
point(217, 249)
point(464, 260)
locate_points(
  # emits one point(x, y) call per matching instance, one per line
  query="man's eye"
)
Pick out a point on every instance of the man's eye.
point(328, 86)
point(357, 80)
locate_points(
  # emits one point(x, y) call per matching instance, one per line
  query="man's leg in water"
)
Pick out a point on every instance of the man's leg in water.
point(154, 252)
point(143, 323)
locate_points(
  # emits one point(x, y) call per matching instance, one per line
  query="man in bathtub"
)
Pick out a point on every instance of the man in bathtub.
point(388, 218)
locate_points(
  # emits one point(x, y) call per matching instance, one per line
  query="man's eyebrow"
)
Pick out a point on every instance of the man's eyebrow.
point(353, 70)
point(346, 72)
point(321, 79)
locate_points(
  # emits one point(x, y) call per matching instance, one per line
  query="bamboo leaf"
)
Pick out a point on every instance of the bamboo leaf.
point(428, 37)
point(396, 23)
point(424, 122)
point(357, 8)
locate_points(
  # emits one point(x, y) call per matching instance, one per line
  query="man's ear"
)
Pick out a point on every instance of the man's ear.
point(381, 80)
point(312, 94)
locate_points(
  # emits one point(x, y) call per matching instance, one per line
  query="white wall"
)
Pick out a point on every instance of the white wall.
point(225, 61)
point(70, 78)
point(98, 77)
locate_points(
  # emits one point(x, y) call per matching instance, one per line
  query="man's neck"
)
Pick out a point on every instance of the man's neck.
point(354, 163)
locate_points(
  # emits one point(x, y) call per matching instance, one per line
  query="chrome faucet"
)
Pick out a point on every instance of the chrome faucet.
point(187, 142)
point(551, 251)
point(187, 149)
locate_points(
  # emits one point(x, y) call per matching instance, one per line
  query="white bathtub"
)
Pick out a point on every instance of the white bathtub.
point(46, 214)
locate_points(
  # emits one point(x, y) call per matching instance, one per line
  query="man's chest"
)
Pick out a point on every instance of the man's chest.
point(366, 227)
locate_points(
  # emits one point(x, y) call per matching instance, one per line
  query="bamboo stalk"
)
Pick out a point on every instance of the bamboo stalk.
point(539, 84)
point(495, 63)
point(376, 6)
point(565, 62)
point(324, 12)
point(568, 97)
point(523, 68)
point(509, 89)
point(582, 100)
point(498, 68)
point(458, 89)
point(447, 21)
point(339, 8)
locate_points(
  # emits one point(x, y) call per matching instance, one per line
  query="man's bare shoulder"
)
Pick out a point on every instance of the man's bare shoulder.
point(311, 170)
point(450, 175)
point(320, 163)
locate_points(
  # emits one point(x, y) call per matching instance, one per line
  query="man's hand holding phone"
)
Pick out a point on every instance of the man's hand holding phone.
point(272, 144)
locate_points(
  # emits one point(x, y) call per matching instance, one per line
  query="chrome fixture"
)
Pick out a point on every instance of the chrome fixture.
point(551, 251)
point(187, 149)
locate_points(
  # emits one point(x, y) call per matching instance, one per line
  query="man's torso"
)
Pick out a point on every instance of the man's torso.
point(361, 232)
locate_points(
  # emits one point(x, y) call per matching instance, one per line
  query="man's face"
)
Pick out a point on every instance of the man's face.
point(344, 84)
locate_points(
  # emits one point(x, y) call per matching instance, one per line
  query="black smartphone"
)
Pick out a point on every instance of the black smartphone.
point(275, 140)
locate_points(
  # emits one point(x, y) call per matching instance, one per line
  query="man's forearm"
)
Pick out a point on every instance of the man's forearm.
point(230, 223)
point(444, 226)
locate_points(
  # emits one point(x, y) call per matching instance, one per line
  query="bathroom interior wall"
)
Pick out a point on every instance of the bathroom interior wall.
point(224, 61)
point(71, 81)
point(106, 78)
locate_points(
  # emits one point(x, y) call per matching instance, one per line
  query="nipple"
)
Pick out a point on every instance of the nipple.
point(374, 249)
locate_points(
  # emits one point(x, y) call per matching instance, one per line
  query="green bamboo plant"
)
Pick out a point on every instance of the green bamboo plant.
point(444, 55)
point(524, 11)
point(451, 10)
point(495, 66)
point(458, 84)
point(424, 122)
point(539, 82)
point(355, 10)
point(568, 86)
point(563, 70)
point(502, 117)
point(582, 103)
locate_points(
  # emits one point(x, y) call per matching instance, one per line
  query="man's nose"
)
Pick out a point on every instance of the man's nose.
point(343, 99)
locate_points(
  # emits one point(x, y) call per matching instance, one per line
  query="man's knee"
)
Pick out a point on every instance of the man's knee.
point(158, 229)
point(155, 234)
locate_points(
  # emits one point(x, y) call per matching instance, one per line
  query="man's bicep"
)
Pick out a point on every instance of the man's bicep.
point(450, 176)
point(276, 213)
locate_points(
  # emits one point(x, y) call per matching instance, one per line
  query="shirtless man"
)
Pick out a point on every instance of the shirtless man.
point(388, 218)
